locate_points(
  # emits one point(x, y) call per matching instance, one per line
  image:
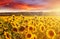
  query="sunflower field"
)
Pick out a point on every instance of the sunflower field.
point(29, 27)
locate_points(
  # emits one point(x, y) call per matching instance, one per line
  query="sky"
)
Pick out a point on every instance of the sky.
point(29, 4)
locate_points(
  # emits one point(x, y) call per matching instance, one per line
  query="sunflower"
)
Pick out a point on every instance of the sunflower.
point(34, 36)
point(14, 29)
point(9, 19)
point(5, 18)
point(25, 21)
point(22, 17)
point(18, 36)
point(7, 35)
point(1, 21)
point(21, 29)
point(32, 28)
point(1, 25)
point(1, 30)
point(14, 24)
point(15, 18)
point(30, 22)
point(50, 33)
point(7, 26)
point(42, 28)
point(28, 35)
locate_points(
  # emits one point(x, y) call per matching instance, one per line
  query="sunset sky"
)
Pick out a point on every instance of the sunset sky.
point(29, 4)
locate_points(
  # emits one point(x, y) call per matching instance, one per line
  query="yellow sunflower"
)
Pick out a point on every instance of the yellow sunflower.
point(34, 36)
point(28, 35)
point(21, 29)
point(42, 28)
point(32, 28)
point(7, 35)
point(50, 33)
point(14, 24)
point(14, 29)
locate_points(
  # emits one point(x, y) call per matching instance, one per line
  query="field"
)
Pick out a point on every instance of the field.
point(29, 27)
